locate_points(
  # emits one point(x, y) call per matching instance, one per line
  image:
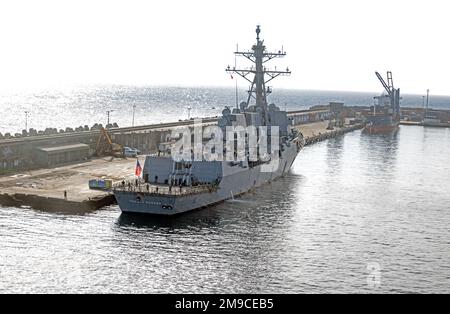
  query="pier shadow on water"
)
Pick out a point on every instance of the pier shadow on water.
point(58, 211)
point(182, 221)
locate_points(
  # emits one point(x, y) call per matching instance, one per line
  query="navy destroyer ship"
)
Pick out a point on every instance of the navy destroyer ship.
point(172, 185)
point(386, 113)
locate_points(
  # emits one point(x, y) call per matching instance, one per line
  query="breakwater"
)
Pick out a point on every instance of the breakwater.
point(331, 134)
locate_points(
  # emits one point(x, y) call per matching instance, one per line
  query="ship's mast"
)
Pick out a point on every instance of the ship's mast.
point(258, 56)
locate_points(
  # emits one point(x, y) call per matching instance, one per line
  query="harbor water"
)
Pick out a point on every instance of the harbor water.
point(358, 213)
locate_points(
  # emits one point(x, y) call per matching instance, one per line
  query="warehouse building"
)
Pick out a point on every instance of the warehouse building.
point(59, 155)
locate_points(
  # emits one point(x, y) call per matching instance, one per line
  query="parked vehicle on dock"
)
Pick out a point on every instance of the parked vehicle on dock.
point(131, 152)
point(100, 184)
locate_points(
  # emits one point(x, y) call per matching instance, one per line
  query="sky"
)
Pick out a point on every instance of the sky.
point(330, 45)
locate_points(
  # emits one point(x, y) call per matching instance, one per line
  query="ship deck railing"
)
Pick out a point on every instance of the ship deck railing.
point(160, 154)
point(139, 186)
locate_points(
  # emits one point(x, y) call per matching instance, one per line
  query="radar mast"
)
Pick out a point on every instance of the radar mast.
point(259, 56)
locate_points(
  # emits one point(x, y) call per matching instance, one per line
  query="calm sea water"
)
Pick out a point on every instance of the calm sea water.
point(72, 107)
point(358, 213)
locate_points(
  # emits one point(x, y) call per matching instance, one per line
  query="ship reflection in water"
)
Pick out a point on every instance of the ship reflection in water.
point(351, 207)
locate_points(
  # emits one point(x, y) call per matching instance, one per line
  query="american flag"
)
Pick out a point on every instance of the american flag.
point(138, 170)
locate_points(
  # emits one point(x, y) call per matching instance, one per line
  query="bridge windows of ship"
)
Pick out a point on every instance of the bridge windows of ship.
point(179, 166)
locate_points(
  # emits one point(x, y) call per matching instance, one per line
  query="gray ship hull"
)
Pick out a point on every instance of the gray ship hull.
point(231, 185)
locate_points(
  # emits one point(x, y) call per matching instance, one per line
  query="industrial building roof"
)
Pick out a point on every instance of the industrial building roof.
point(64, 148)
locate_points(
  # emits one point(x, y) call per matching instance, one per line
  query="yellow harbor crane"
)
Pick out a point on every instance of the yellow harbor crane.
point(106, 147)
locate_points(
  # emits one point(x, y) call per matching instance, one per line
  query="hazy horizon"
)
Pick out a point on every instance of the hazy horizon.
point(33, 89)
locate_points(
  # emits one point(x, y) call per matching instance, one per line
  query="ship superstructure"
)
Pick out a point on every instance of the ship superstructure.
point(172, 185)
point(386, 112)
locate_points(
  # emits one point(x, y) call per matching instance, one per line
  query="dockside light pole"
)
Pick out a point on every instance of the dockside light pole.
point(26, 121)
point(108, 113)
point(134, 108)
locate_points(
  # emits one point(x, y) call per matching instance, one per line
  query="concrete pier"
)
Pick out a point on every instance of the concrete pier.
point(419, 123)
point(44, 189)
point(317, 132)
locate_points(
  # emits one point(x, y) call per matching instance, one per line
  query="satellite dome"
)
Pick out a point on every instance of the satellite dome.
point(273, 107)
point(226, 111)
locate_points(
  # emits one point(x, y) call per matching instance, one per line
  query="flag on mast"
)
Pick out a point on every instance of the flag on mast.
point(138, 170)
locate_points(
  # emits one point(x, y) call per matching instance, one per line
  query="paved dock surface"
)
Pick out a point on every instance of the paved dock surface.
point(312, 129)
point(317, 131)
point(72, 178)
